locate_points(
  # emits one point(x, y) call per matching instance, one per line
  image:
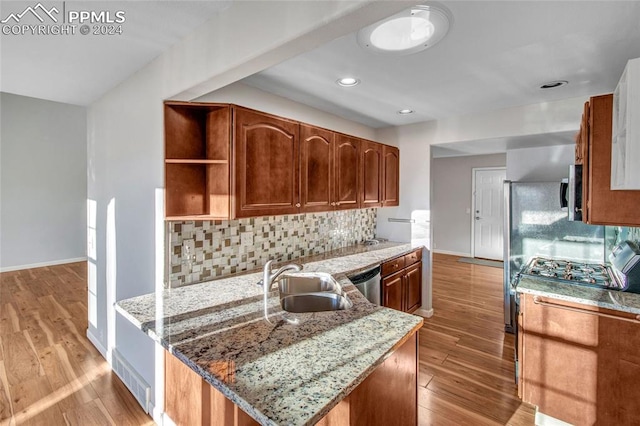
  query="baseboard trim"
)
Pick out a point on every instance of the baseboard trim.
point(95, 342)
point(43, 264)
point(427, 313)
point(452, 253)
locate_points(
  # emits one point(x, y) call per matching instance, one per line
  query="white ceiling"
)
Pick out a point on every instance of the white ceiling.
point(78, 69)
point(495, 56)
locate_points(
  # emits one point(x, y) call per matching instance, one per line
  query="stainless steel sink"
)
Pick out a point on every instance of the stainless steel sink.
point(315, 302)
point(311, 292)
point(307, 282)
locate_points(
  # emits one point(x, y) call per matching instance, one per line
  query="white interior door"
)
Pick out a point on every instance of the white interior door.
point(487, 212)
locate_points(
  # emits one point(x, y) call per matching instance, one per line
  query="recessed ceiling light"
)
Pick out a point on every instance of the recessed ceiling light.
point(348, 82)
point(405, 111)
point(554, 84)
point(409, 31)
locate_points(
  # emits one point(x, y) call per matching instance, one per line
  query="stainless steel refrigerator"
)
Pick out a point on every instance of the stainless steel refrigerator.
point(536, 225)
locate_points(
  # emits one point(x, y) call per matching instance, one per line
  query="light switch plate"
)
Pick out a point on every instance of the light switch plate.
point(188, 249)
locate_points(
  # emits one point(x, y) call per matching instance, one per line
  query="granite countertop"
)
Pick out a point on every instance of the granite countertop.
point(281, 374)
point(609, 299)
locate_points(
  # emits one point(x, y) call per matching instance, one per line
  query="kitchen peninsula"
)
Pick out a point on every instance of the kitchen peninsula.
point(284, 373)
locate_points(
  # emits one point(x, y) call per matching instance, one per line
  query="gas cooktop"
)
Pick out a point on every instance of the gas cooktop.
point(589, 274)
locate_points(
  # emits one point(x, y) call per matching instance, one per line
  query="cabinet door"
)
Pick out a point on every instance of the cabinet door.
point(605, 206)
point(266, 164)
point(347, 158)
point(413, 284)
point(371, 174)
point(391, 176)
point(393, 291)
point(316, 168)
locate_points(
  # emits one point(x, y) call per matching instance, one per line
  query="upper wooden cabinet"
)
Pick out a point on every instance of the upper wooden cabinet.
point(197, 160)
point(347, 180)
point(224, 161)
point(266, 151)
point(371, 174)
point(316, 168)
point(391, 176)
point(600, 204)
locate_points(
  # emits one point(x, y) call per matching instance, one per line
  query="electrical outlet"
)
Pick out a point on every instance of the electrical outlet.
point(188, 250)
point(246, 238)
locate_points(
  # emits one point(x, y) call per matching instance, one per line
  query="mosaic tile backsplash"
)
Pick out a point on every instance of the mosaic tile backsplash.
point(224, 247)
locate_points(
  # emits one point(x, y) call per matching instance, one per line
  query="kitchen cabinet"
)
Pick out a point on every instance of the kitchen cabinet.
point(387, 396)
point(600, 204)
point(347, 178)
point(224, 161)
point(266, 152)
point(625, 147)
point(316, 168)
point(371, 174)
point(402, 282)
point(197, 160)
point(579, 363)
point(391, 176)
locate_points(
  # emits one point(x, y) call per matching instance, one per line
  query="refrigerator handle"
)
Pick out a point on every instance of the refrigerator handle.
point(507, 255)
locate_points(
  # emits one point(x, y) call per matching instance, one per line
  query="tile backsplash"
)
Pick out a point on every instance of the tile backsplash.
point(224, 247)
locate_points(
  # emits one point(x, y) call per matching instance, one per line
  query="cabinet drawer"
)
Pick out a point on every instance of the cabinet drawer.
point(412, 257)
point(393, 265)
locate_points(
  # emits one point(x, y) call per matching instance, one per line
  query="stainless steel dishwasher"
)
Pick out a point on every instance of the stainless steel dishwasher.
point(368, 283)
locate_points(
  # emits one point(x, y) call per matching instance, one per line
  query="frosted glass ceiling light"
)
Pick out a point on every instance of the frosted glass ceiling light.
point(407, 32)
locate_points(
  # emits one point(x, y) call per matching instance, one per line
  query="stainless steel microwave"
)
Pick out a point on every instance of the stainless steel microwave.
point(571, 193)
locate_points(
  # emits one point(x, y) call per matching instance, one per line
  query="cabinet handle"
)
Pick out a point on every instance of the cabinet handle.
point(297, 204)
point(538, 301)
point(338, 203)
point(333, 204)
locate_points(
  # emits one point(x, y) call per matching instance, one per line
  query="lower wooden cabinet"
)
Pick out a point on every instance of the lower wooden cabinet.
point(388, 396)
point(579, 363)
point(402, 282)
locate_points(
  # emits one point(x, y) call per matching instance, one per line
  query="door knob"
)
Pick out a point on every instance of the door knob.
point(477, 217)
point(297, 204)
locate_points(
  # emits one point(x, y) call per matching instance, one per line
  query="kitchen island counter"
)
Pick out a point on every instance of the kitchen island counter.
point(591, 296)
point(281, 373)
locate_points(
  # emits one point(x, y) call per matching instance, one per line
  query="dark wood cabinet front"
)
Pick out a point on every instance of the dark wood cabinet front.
point(347, 160)
point(371, 175)
point(224, 161)
point(413, 282)
point(266, 164)
point(402, 282)
point(600, 204)
point(316, 168)
point(393, 291)
point(391, 176)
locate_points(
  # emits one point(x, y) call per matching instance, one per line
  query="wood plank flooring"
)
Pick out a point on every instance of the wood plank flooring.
point(50, 374)
point(466, 360)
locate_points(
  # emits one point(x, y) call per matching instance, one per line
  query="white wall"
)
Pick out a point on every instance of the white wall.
point(125, 148)
point(250, 97)
point(43, 190)
point(451, 217)
point(542, 164)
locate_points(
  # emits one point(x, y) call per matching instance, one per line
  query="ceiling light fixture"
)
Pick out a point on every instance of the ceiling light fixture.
point(405, 111)
point(554, 84)
point(348, 82)
point(407, 32)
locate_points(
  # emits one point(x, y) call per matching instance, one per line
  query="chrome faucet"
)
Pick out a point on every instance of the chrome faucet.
point(269, 278)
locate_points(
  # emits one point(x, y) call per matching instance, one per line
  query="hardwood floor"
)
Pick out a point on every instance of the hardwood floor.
point(50, 374)
point(466, 359)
